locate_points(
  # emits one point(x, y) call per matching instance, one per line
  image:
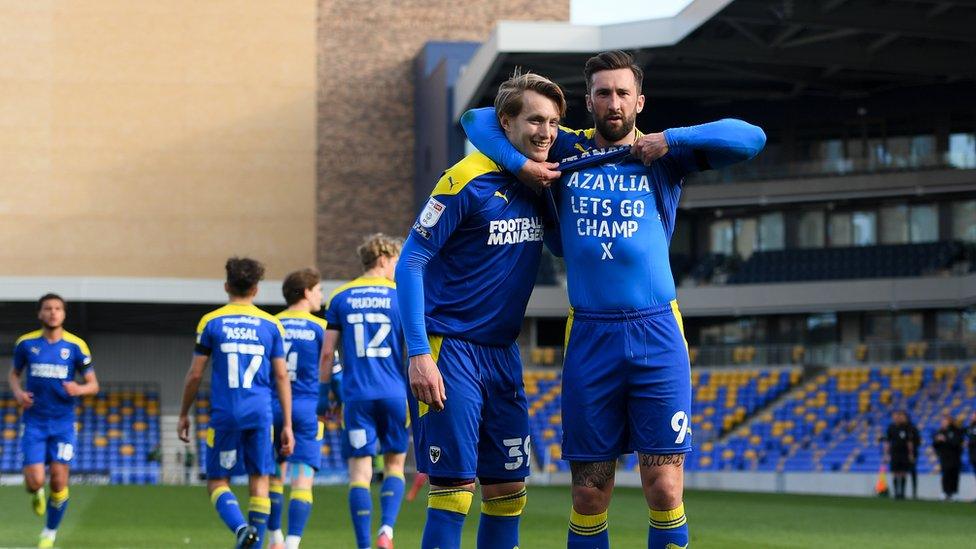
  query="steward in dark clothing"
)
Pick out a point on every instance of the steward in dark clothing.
point(948, 443)
point(900, 449)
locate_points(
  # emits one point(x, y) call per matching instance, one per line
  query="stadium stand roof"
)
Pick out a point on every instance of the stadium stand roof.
point(743, 50)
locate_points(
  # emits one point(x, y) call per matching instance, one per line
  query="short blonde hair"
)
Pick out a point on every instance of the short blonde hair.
point(376, 246)
point(508, 101)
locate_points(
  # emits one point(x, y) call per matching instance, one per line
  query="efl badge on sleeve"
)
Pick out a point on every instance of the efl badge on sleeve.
point(432, 213)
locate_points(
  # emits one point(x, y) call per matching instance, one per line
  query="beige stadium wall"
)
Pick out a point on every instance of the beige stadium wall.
point(155, 138)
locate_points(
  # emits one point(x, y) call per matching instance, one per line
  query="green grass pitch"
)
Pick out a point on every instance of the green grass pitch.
point(174, 517)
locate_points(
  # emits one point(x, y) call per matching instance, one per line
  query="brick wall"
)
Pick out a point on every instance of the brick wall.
point(365, 108)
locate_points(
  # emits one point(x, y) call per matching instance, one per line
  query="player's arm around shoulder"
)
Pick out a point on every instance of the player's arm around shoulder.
point(713, 145)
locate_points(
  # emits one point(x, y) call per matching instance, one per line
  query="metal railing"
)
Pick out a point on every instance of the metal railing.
point(832, 167)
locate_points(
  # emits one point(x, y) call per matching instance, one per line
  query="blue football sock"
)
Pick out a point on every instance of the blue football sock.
point(391, 495)
point(499, 526)
point(588, 531)
point(57, 504)
point(227, 507)
point(276, 493)
point(257, 516)
point(668, 529)
point(299, 508)
point(361, 509)
point(446, 510)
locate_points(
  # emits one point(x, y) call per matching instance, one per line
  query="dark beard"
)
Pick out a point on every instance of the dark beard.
point(611, 134)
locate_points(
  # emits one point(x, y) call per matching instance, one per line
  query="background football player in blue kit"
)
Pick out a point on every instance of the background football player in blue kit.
point(49, 360)
point(465, 278)
point(304, 339)
point(246, 347)
point(626, 376)
point(364, 324)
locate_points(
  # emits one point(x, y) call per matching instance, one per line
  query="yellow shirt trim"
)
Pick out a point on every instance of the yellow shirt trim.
point(457, 176)
point(239, 309)
point(305, 315)
point(361, 282)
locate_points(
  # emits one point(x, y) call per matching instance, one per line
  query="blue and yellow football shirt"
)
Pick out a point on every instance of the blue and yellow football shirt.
point(241, 341)
point(304, 337)
point(616, 220)
point(480, 239)
point(367, 314)
point(47, 367)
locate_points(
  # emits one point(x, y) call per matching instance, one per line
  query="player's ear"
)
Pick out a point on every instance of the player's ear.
point(640, 102)
point(589, 103)
point(505, 121)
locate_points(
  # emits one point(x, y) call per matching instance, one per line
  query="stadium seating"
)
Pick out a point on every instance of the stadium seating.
point(834, 422)
point(895, 260)
point(772, 420)
point(723, 399)
point(117, 432)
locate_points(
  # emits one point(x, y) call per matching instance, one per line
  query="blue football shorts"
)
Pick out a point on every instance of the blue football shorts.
point(483, 430)
point(226, 448)
point(47, 440)
point(626, 384)
point(377, 425)
point(307, 428)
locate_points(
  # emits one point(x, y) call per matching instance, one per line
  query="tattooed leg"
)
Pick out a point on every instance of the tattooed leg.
point(592, 485)
point(662, 477)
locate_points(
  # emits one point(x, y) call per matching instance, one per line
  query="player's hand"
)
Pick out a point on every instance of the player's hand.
point(183, 428)
point(287, 441)
point(24, 398)
point(72, 388)
point(426, 381)
point(538, 176)
point(649, 148)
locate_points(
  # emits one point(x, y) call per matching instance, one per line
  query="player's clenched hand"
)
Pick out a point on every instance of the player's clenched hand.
point(538, 175)
point(426, 381)
point(72, 388)
point(287, 441)
point(649, 148)
point(183, 428)
point(24, 398)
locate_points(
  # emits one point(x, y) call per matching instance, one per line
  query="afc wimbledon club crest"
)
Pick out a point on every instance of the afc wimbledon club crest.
point(65, 353)
point(435, 454)
point(432, 212)
point(228, 459)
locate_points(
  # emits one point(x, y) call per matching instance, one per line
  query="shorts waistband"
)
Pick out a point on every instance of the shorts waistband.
point(622, 315)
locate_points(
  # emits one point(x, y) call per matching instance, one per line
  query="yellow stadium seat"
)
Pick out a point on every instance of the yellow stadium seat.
point(549, 356)
point(100, 442)
point(326, 450)
point(9, 434)
point(114, 433)
point(536, 355)
point(140, 426)
point(127, 450)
